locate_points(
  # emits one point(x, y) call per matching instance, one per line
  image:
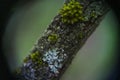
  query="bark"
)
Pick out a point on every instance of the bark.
point(54, 51)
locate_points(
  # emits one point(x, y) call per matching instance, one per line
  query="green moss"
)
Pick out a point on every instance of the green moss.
point(25, 60)
point(72, 12)
point(93, 14)
point(53, 37)
point(80, 36)
point(34, 55)
point(18, 70)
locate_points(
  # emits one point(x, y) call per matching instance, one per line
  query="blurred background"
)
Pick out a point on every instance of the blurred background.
point(94, 61)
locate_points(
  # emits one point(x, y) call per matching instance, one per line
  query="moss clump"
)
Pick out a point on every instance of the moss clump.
point(93, 14)
point(35, 56)
point(80, 35)
point(53, 37)
point(17, 71)
point(72, 12)
point(25, 60)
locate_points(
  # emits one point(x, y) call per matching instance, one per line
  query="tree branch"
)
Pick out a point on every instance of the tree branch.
point(66, 34)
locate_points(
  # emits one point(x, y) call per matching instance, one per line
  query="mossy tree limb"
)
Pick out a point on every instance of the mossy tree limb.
point(66, 34)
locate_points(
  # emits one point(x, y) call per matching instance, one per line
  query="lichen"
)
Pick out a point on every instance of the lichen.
point(54, 60)
point(93, 11)
point(72, 12)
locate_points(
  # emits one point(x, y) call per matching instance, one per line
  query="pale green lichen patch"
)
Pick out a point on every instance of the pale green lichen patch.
point(93, 11)
point(72, 12)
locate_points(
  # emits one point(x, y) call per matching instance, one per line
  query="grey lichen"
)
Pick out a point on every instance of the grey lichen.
point(54, 59)
point(94, 10)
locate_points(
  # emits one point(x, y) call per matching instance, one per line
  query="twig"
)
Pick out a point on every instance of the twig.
point(54, 51)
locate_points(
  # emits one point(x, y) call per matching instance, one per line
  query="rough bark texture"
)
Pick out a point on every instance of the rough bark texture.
point(54, 51)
